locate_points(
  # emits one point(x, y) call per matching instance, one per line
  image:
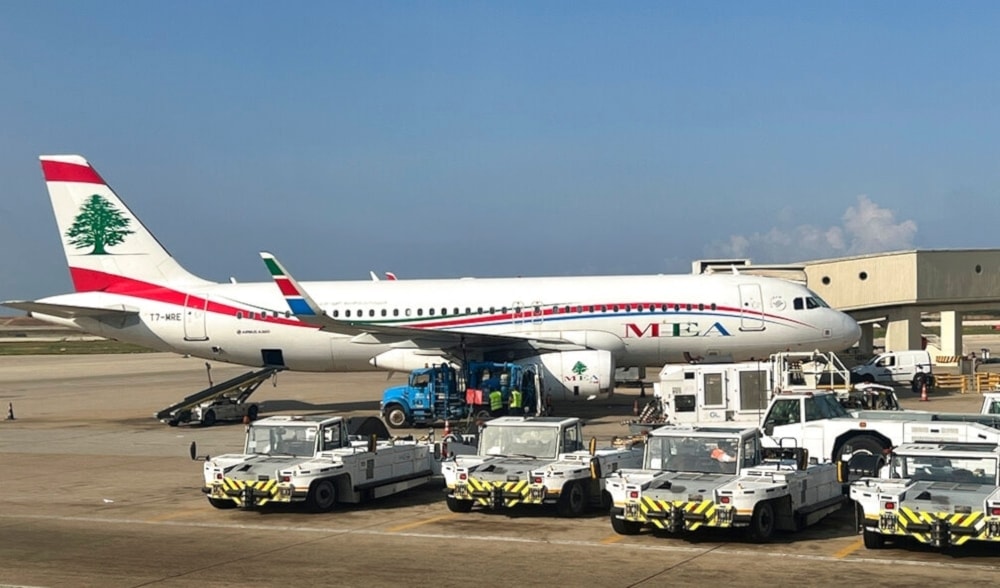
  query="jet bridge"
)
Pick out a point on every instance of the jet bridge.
point(238, 389)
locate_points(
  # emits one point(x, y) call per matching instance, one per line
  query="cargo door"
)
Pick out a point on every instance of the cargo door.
point(751, 307)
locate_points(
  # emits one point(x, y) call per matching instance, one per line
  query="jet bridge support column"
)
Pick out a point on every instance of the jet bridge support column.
point(866, 345)
point(951, 333)
point(902, 330)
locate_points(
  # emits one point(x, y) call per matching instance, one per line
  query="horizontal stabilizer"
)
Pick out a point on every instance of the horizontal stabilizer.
point(67, 311)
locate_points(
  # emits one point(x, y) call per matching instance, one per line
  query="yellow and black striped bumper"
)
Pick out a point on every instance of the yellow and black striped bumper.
point(249, 493)
point(938, 528)
point(678, 515)
point(495, 494)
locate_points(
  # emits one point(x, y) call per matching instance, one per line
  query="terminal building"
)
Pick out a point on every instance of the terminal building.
point(896, 290)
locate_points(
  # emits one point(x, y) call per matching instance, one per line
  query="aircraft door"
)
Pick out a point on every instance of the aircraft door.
point(751, 307)
point(195, 318)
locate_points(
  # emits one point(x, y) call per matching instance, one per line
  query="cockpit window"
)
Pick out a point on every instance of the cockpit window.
point(809, 302)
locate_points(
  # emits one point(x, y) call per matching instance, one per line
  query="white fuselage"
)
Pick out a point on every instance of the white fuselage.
point(641, 320)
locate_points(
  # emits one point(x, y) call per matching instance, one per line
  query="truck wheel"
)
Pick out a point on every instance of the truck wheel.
point(918, 382)
point(252, 412)
point(208, 419)
point(762, 522)
point(456, 505)
point(874, 540)
point(862, 444)
point(322, 496)
point(572, 500)
point(623, 527)
point(395, 416)
point(221, 503)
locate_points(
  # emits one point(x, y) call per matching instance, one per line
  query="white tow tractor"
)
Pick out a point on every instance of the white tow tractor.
point(939, 494)
point(534, 460)
point(319, 461)
point(697, 477)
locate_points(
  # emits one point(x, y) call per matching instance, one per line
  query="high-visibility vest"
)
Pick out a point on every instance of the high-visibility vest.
point(515, 398)
point(496, 400)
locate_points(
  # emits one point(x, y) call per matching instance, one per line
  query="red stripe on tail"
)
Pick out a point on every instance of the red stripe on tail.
point(60, 171)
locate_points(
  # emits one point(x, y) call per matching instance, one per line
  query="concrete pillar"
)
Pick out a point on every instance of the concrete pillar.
point(902, 330)
point(866, 345)
point(951, 333)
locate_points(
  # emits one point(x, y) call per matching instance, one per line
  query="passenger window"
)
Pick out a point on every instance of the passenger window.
point(371, 312)
point(395, 312)
point(430, 311)
point(336, 313)
point(347, 313)
point(239, 315)
point(420, 312)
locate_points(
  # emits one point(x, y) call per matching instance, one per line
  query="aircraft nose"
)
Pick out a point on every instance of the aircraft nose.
point(851, 330)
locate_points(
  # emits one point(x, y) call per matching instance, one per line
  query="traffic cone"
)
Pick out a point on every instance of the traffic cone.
point(923, 392)
point(10, 411)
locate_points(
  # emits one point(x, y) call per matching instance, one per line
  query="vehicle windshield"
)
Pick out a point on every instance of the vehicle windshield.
point(708, 455)
point(540, 442)
point(942, 469)
point(284, 439)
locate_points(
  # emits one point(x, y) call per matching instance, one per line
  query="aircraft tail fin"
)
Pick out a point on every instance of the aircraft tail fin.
point(107, 247)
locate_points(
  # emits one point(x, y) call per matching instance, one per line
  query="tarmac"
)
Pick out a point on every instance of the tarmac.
point(96, 492)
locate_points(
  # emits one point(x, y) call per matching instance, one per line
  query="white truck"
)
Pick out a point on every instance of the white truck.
point(991, 403)
point(316, 460)
point(534, 460)
point(897, 368)
point(740, 392)
point(696, 477)
point(939, 494)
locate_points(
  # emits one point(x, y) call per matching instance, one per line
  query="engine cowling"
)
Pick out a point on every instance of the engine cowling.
point(406, 360)
point(574, 375)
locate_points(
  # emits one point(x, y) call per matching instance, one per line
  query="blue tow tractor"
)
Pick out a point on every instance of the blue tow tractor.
point(441, 392)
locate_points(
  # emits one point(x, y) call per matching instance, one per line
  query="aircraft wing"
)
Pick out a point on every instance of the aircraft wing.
point(68, 311)
point(306, 310)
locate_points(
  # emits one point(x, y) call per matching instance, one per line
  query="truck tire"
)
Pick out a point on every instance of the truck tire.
point(253, 412)
point(623, 527)
point(322, 496)
point(456, 505)
point(395, 416)
point(572, 500)
point(860, 444)
point(762, 522)
point(208, 419)
point(221, 503)
point(918, 382)
point(873, 540)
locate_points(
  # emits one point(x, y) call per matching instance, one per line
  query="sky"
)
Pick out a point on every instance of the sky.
point(448, 139)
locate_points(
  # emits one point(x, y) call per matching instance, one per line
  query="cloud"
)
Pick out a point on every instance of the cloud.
point(866, 228)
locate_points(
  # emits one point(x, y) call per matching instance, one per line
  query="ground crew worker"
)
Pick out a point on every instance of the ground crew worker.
point(516, 400)
point(496, 402)
point(722, 452)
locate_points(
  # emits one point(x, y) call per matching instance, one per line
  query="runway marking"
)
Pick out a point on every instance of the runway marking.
point(719, 549)
point(611, 539)
point(179, 514)
point(854, 546)
point(398, 528)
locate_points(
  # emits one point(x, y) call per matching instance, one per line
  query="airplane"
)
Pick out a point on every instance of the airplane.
point(577, 330)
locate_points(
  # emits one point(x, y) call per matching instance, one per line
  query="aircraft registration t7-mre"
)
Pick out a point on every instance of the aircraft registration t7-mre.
point(576, 330)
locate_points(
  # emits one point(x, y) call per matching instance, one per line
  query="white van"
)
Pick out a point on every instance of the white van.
point(897, 368)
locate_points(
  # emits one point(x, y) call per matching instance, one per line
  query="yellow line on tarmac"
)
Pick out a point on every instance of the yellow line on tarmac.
point(399, 528)
point(611, 539)
point(854, 546)
point(177, 514)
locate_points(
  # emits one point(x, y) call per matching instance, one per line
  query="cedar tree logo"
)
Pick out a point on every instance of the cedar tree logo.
point(579, 368)
point(99, 225)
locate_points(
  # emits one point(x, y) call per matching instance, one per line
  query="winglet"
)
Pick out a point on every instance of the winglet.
point(298, 300)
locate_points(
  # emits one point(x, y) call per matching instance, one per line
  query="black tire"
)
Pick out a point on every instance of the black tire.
point(762, 522)
point(368, 426)
point(396, 417)
point(861, 444)
point(868, 379)
point(623, 527)
point(221, 503)
point(456, 505)
point(873, 540)
point(322, 496)
point(919, 380)
point(253, 412)
point(483, 414)
point(572, 500)
point(208, 418)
